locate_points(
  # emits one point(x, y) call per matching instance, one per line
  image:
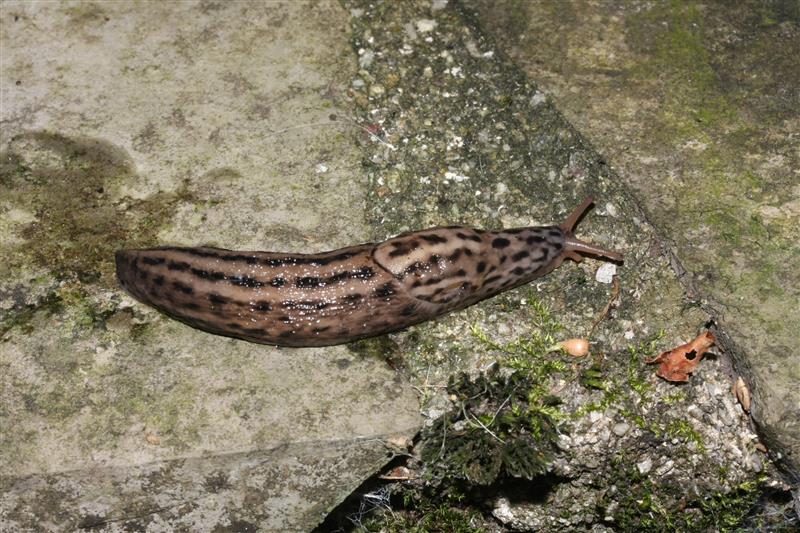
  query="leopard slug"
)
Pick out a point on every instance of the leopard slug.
point(339, 296)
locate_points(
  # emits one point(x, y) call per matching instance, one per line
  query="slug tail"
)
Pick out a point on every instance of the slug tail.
point(127, 270)
point(573, 246)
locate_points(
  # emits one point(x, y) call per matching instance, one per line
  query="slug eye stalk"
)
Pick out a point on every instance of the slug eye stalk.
point(574, 246)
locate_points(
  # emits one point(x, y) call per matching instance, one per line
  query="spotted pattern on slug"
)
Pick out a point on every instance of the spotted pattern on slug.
point(346, 294)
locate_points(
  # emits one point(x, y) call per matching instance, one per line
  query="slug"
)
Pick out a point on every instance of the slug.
point(361, 291)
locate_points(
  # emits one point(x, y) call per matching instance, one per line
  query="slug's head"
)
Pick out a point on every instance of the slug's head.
point(574, 247)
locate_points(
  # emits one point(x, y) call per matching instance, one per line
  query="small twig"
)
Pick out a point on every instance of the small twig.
point(489, 431)
point(502, 405)
point(604, 313)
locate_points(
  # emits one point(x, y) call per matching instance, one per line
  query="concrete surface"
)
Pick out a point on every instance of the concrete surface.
point(131, 124)
point(696, 106)
point(465, 137)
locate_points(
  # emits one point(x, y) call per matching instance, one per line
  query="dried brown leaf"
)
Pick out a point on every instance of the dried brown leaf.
point(678, 363)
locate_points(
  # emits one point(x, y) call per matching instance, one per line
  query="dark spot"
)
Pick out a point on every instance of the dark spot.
point(455, 255)
point(253, 332)
point(475, 238)
point(408, 310)
point(191, 305)
point(352, 298)
point(285, 319)
point(262, 305)
point(287, 333)
point(417, 283)
point(177, 265)
point(153, 260)
point(309, 282)
point(158, 280)
point(363, 273)
point(205, 274)
point(691, 355)
point(433, 281)
point(246, 281)
point(234, 325)
point(323, 329)
point(142, 274)
point(514, 231)
point(462, 236)
point(468, 252)
point(413, 267)
point(399, 251)
point(461, 272)
point(385, 291)
point(503, 259)
point(434, 259)
point(554, 232)
point(519, 256)
point(249, 259)
point(434, 238)
point(181, 287)
point(534, 238)
point(518, 271)
point(217, 299)
point(500, 242)
point(277, 282)
point(492, 279)
point(336, 278)
point(481, 267)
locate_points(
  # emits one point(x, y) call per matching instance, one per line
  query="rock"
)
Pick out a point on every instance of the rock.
point(620, 429)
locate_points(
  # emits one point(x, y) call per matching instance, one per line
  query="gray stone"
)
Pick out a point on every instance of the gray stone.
point(620, 429)
point(175, 123)
point(697, 109)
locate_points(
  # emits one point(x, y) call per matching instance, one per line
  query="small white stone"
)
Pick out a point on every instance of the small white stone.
point(606, 272)
point(321, 168)
point(620, 429)
point(666, 467)
point(425, 25)
point(538, 98)
point(611, 209)
point(644, 466)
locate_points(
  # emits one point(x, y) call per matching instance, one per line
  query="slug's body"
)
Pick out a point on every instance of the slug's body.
point(346, 294)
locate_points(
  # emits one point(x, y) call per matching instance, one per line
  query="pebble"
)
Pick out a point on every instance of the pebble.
point(666, 467)
point(620, 429)
point(425, 25)
point(606, 272)
point(645, 466)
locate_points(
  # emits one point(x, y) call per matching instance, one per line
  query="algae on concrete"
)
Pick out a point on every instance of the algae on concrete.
point(458, 135)
point(696, 105)
point(188, 123)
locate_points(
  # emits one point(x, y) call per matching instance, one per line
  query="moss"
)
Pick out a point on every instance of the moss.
point(22, 318)
point(421, 516)
point(500, 426)
point(382, 348)
point(638, 504)
point(69, 183)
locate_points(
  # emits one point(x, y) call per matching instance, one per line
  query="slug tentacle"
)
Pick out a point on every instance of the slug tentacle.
point(573, 245)
point(350, 293)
